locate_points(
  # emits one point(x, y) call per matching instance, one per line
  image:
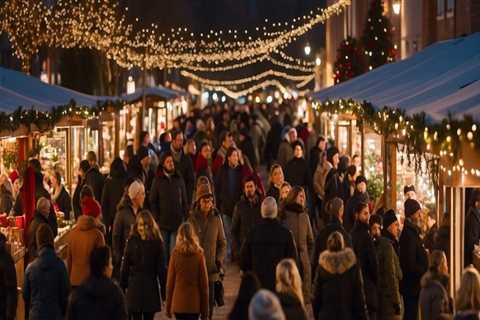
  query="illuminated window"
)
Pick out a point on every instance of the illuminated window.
point(450, 8)
point(440, 9)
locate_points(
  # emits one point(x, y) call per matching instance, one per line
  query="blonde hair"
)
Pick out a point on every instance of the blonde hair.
point(468, 295)
point(288, 279)
point(187, 240)
point(272, 169)
point(335, 242)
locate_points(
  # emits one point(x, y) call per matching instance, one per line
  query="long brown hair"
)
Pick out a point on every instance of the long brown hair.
point(151, 228)
point(468, 295)
point(187, 240)
point(292, 197)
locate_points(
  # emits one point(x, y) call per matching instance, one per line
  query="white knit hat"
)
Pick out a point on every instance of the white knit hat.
point(265, 306)
point(135, 188)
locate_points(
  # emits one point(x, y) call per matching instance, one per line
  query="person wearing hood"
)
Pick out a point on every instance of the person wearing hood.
point(98, 297)
point(359, 196)
point(114, 189)
point(46, 286)
point(8, 282)
point(168, 200)
point(84, 167)
point(42, 214)
point(472, 227)
point(285, 150)
point(389, 273)
point(129, 206)
point(183, 163)
point(60, 197)
point(413, 258)
point(143, 268)
point(434, 300)
point(333, 180)
point(338, 288)
point(81, 241)
point(295, 217)
point(246, 213)
point(93, 177)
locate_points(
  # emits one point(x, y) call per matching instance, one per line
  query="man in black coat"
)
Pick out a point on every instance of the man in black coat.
point(472, 227)
point(183, 163)
point(364, 248)
point(8, 283)
point(391, 230)
point(360, 195)
point(334, 209)
point(168, 200)
point(413, 258)
point(93, 177)
point(267, 244)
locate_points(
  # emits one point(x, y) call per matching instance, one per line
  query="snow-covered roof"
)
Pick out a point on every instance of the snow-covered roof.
point(441, 79)
point(20, 90)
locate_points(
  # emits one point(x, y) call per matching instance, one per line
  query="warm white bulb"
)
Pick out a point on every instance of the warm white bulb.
point(396, 7)
point(318, 61)
point(308, 49)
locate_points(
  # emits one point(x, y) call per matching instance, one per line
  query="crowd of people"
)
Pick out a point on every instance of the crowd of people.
point(158, 231)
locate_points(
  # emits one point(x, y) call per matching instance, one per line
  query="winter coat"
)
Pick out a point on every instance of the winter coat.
point(413, 259)
point(272, 142)
point(143, 271)
point(38, 219)
point(8, 285)
point(350, 207)
point(333, 185)
point(273, 192)
point(314, 158)
point(338, 288)
point(389, 277)
point(285, 153)
point(472, 233)
point(364, 249)
point(248, 150)
point(246, 215)
point(226, 198)
point(184, 167)
point(320, 177)
point(219, 160)
point(211, 235)
point(46, 287)
point(96, 181)
point(77, 210)
point(441, 240)
point(187, 284)
point(203, 168)
point(298, 174)
point(434, 301)
point(81, 241)
point(168, 201)
point(292, 307)
point(6, 201)
point(124, 220)
point(63, 202)
point(393, 241)
point(97, 299)
point(296, 219)
point(322, 237)
point(267, 244)
point(112, 193)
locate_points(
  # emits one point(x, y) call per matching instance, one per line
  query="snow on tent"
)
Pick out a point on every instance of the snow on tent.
point(20, 90)
point(440, 80)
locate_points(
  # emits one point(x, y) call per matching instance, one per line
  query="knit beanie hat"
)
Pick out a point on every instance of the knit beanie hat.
point(91, 207)
point(203, 190)
point(411, 206)
point(389, 218)
point(135, 188)
point(331, 152)
point(265, 306)
point(44, 236)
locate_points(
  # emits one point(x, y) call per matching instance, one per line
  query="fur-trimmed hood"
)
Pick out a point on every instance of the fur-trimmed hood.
point(337, 262)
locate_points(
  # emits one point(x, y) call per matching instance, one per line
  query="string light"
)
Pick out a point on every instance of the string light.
point(237, 94)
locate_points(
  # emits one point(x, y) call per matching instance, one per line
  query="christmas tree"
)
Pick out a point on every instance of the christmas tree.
point(350, 61)
point(377, 37)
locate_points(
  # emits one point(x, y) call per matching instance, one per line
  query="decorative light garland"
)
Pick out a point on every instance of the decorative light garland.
point(237, 94)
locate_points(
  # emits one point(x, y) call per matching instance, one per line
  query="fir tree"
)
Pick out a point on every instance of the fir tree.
point(350, 61)
point(377, 37)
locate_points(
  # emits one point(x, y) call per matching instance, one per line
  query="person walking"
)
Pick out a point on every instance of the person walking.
point(285, 150)
point(187, 282)
point(42, 216)
point(467, 303)
point(93, 177)
point(364, 249)
point(246, 213)
point(338, 288)
point(295, 217)
point(203, 162)
point(315, 153)
point(276, 180)
point(183, 163)
point(434, 300)
point(318, 184)
point(413, 258)
point(168, 200)
point(129, 206)
point(46, 286)
point(98, 297)
point(472, 227)
point(143, 268)
point(208, 225)
point(81, 241)
point(60, 198)
point(296, 169)
point(359, 196)
point(227, 142)
point(8, 282)
point(266, 245)
point(288, 288)
point(265, 306)
point(248, 287)
point(114, 189)
point(389, 273)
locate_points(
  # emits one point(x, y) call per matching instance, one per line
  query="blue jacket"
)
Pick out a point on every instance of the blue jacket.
point(46, 287)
